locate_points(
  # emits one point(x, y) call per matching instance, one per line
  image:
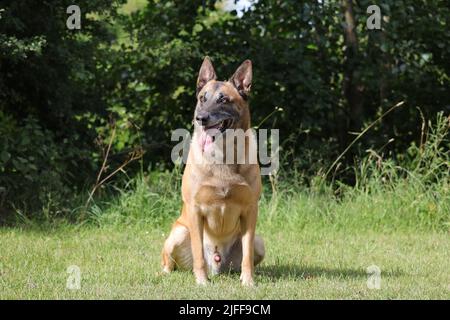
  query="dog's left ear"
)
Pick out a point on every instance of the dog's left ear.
point(242, 78)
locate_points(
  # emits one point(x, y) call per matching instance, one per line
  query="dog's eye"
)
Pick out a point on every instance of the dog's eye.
point(223, 99)
point(203, 98)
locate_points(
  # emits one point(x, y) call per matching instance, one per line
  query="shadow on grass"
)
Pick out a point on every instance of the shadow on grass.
point(278, 272)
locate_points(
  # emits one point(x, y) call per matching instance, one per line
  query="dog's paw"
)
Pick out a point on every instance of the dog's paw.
point(166, 270)
point(202, 281)
point(247, 280)
point(201, 277)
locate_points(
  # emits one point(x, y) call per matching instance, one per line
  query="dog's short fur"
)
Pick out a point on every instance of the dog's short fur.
point(216, 229)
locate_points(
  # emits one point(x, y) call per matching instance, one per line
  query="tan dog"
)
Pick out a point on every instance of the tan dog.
point(216, 229)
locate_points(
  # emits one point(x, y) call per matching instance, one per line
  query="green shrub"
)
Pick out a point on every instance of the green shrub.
point(33, 167)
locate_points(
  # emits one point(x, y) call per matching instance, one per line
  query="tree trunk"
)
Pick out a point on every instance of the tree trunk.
point(351, 86)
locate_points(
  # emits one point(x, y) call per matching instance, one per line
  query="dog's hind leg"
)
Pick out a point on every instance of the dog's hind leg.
point(235, 257)
point(260, 250)
point(176, 252)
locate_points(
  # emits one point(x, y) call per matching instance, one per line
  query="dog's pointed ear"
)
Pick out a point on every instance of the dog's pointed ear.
point(242, 78)
point(205, 74)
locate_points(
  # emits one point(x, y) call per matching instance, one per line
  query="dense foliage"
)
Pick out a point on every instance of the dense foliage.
point(132, 71)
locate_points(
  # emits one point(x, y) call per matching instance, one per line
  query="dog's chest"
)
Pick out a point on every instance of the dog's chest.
point(223, 194)
point(222, 205)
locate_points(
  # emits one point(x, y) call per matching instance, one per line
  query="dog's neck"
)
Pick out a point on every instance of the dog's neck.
point(216, 159)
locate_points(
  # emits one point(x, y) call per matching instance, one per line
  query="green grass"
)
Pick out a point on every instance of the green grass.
point(318, 247)
point(309, 263)
point(320, 237)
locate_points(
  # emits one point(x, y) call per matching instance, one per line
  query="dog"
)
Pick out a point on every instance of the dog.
point(216, 230)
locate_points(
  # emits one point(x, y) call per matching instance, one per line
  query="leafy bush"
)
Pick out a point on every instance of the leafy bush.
point(136, 66)
point(33, 166)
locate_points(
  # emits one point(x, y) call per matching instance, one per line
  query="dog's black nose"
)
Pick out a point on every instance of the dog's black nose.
point(202, 118)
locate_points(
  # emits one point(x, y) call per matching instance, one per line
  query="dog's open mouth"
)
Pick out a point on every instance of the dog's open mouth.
point(221, 126)
point(209, 133)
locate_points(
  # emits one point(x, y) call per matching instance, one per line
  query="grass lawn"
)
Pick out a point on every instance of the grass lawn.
point(309, 262)
point(319, 241)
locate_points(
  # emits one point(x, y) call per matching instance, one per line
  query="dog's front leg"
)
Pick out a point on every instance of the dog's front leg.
point(248, 226)
point(196, 231)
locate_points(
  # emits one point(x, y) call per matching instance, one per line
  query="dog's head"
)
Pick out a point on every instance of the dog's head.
point(223, 105)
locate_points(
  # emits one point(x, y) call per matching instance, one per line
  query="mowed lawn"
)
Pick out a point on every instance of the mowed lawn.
point(312, 262)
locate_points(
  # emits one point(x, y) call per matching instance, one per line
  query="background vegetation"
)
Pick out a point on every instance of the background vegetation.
point(129, 74)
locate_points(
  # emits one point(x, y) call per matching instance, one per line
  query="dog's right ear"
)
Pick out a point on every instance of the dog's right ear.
point(205, 74)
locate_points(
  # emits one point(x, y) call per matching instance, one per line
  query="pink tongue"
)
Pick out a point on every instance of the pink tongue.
point(205, 141)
